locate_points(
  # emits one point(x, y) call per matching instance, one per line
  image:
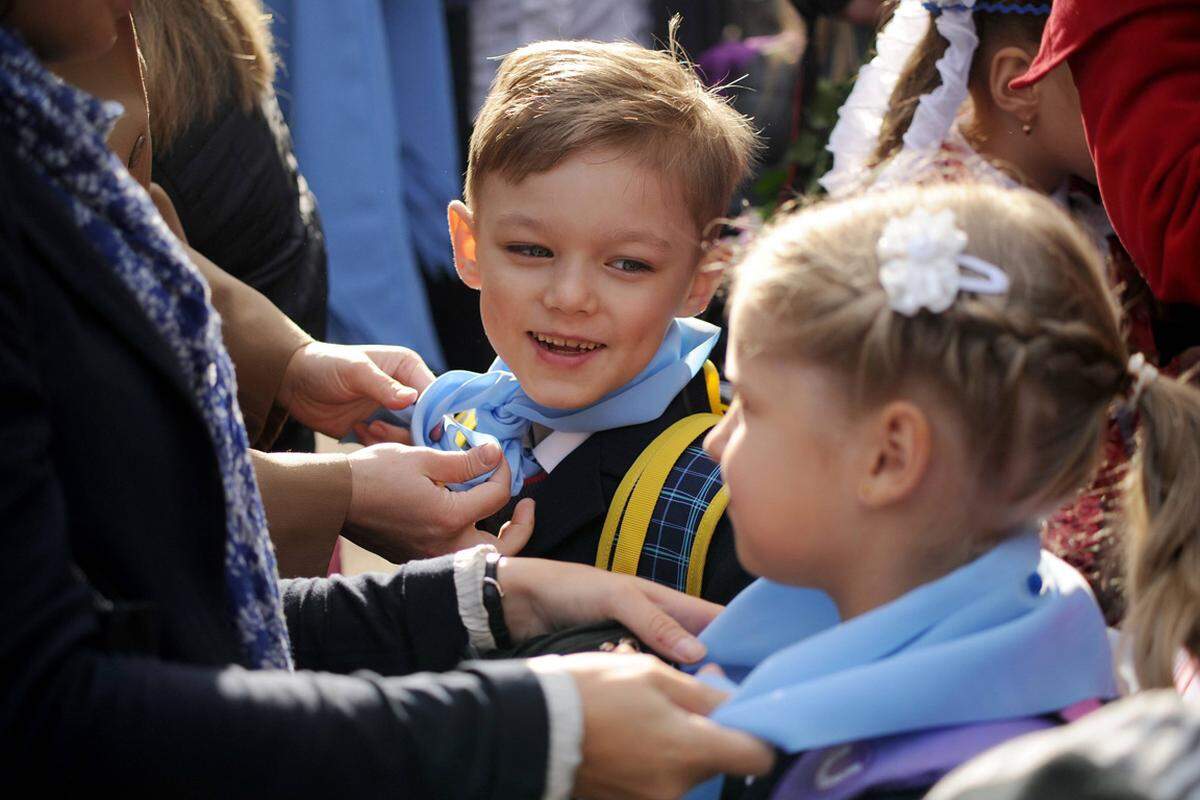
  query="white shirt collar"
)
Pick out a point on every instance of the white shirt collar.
point(556, 446)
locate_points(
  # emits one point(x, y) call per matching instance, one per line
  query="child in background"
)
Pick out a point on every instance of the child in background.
point(936, 104)
point(594, 176)
point(932, 369)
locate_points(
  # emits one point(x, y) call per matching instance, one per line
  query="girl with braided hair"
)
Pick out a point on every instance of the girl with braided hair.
point(925, 373)
point(937, 104)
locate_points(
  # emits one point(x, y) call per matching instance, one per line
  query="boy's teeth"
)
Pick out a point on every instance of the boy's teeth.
point(571, 343)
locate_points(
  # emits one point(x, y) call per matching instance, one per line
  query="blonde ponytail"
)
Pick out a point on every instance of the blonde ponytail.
point(1163, 514)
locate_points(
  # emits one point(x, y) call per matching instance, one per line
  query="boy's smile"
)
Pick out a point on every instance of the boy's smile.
point(580, 271)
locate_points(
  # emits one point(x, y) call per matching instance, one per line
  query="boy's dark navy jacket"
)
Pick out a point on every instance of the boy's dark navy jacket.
point(573, 500)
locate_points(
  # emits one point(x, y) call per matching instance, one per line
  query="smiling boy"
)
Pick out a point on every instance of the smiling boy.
point(594, 176)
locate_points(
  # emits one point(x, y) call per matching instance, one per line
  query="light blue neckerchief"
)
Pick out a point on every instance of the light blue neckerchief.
point(504, 413)
point(1015, 633)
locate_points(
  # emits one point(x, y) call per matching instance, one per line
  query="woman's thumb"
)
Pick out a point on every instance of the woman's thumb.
point(383, 388)
point(459, 466)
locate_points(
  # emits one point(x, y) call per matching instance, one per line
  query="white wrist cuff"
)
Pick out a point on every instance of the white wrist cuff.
point(565, 711)
point(468, 584)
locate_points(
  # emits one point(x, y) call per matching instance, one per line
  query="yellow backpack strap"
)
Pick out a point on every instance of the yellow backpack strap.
point(704, 534)
point(468, 420)
point(712, 382)
point(636, 496)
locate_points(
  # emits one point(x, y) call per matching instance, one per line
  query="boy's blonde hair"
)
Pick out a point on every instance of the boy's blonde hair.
point(199, 53)
point(552, 100)
point(1033, 374)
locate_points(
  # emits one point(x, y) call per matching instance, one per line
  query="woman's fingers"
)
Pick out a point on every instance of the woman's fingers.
point(655, 627)
point(378, 431)
point(729, 752)
point(673, 746)
point(460, 466)
point(688, 693)
point(402, 364)
point(693, 613)
point(368, 380)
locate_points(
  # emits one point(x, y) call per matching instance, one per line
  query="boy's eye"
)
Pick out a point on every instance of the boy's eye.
point(530, 250)
point(631, 265)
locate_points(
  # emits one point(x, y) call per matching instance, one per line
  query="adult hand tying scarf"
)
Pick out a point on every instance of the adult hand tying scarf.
point(1013, 634)
point(504, 413)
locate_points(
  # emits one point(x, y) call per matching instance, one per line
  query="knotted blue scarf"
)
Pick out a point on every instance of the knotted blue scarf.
point(1015, 633)
point(504, 413)
point(61, 131)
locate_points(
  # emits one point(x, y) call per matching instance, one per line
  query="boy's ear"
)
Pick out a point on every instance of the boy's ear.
point(705, 283)
point(1008, 64)
point(462, 238)
point(899, 447)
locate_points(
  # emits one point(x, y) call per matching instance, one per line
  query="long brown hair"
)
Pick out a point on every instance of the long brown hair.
point(199, 54)
point(920, 75)
point(1164, 548)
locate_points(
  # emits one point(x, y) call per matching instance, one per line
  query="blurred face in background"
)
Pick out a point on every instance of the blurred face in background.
point(65, 30)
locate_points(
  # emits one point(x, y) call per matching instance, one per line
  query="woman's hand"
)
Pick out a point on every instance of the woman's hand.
point(645, 728)
point(401, 509)
point(541, 596)
point(329, 387)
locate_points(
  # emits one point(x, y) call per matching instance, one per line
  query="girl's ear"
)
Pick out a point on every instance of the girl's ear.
point(462, 237)
point(1008, 64)
point(705, 283)
point(899, 454)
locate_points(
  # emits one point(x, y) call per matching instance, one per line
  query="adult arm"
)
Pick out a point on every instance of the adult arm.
point(1139, 88)
point(398, 506)
point(261, 341)
point(282, 371)
point(145, 724)
point(306, 497)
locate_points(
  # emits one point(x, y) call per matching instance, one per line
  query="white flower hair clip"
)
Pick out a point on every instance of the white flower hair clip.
point(922, 263)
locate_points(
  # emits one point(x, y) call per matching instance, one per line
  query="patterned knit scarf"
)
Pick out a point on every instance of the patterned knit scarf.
point(61, 132)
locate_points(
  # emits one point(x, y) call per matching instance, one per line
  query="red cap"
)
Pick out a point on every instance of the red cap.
point(1072, 24)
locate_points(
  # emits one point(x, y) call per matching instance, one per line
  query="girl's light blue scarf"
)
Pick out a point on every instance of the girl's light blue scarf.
point(1015, 633)
point(504, 412)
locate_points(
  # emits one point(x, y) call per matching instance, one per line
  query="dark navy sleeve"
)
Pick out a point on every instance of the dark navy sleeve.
point(390, 624)
point(77, 716)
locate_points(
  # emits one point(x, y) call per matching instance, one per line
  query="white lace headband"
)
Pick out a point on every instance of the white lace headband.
point(922, 263)
point(860, 119)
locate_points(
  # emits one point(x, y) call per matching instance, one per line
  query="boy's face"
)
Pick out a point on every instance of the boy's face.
point(580, 270)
